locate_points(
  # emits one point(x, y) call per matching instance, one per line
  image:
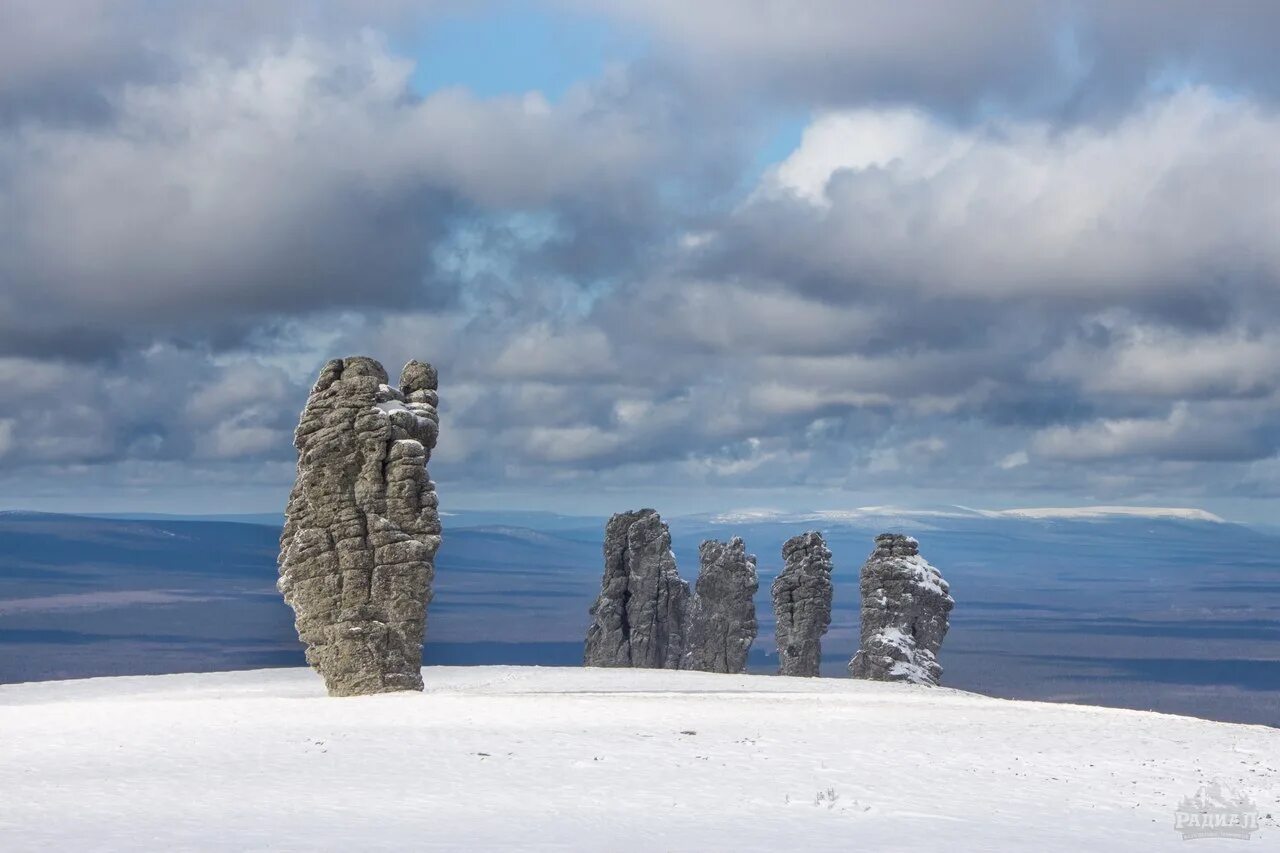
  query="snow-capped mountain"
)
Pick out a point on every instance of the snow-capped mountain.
point(891, 513)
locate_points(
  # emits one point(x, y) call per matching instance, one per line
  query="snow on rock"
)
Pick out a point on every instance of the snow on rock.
point(581, 759)
point(905, 607)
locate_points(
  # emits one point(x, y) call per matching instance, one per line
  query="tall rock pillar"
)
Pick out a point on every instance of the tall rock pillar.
point(905, 607)
point(639, 618)
point(361, 526)
point(802, 603)
point(722, 621)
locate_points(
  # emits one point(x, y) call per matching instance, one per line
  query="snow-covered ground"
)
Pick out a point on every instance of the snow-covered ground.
point(549, 759)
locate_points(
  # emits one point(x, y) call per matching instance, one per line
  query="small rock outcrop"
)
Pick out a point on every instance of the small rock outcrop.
point(722, 620)
point(905, 603)
point(639, 618)
point(361, 526)
point(802, 603)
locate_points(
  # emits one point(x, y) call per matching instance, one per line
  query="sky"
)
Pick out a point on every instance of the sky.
point(700, 256)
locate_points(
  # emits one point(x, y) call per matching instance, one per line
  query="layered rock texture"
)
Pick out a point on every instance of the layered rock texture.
point(905, 607)
point(361, 527)
point(639, 619)
point(722, 620)
point(802, 603)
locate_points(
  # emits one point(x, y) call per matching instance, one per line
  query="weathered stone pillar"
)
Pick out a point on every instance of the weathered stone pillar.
point(722, 622)
point(361, 527)
point(905, 607)
point(802, 603)
point(639, 618)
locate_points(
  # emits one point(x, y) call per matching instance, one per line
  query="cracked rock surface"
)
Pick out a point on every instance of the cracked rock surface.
point(905, 607)
point(722, 620)
point(361, 527)
point(639, 618)
point(802, 603)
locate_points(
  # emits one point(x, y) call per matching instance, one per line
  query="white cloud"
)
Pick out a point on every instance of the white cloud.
point(300, 177)
point(239, 386)
point(914, 293)
point(233, 440)
point(570, 444)
point(546, 353)
point(1049, 55)
point(29, 376)
point(779, 398)
point(1172, 196)
point(1186, 433)
point(900, 138)
point(1156, 361)
point(1014, 460)
point(728, 316)
point(883, 459)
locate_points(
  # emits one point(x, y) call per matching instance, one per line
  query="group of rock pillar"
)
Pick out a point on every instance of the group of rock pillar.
point(646, 616)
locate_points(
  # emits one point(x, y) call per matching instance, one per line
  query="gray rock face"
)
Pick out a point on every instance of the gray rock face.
point(722, 621)
point(905, 603)
point(639, 618)
point(361, 527)
point(802, 603)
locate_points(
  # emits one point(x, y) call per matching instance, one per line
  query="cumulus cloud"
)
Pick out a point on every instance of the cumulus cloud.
point(1141, 359)
point(540, 353)
point(1150, 211)
point(1066, 57)
point(158, 405)
point(246, 410)
point(1016, 459)
point(306, 177)
point(61, 62)
point(1016, 249)
point(1215, 434)
point(730, 315)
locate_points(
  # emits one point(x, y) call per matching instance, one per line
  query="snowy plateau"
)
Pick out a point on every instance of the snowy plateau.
point(531, 758)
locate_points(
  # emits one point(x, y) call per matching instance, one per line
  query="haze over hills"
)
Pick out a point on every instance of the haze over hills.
point(1171, 610)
